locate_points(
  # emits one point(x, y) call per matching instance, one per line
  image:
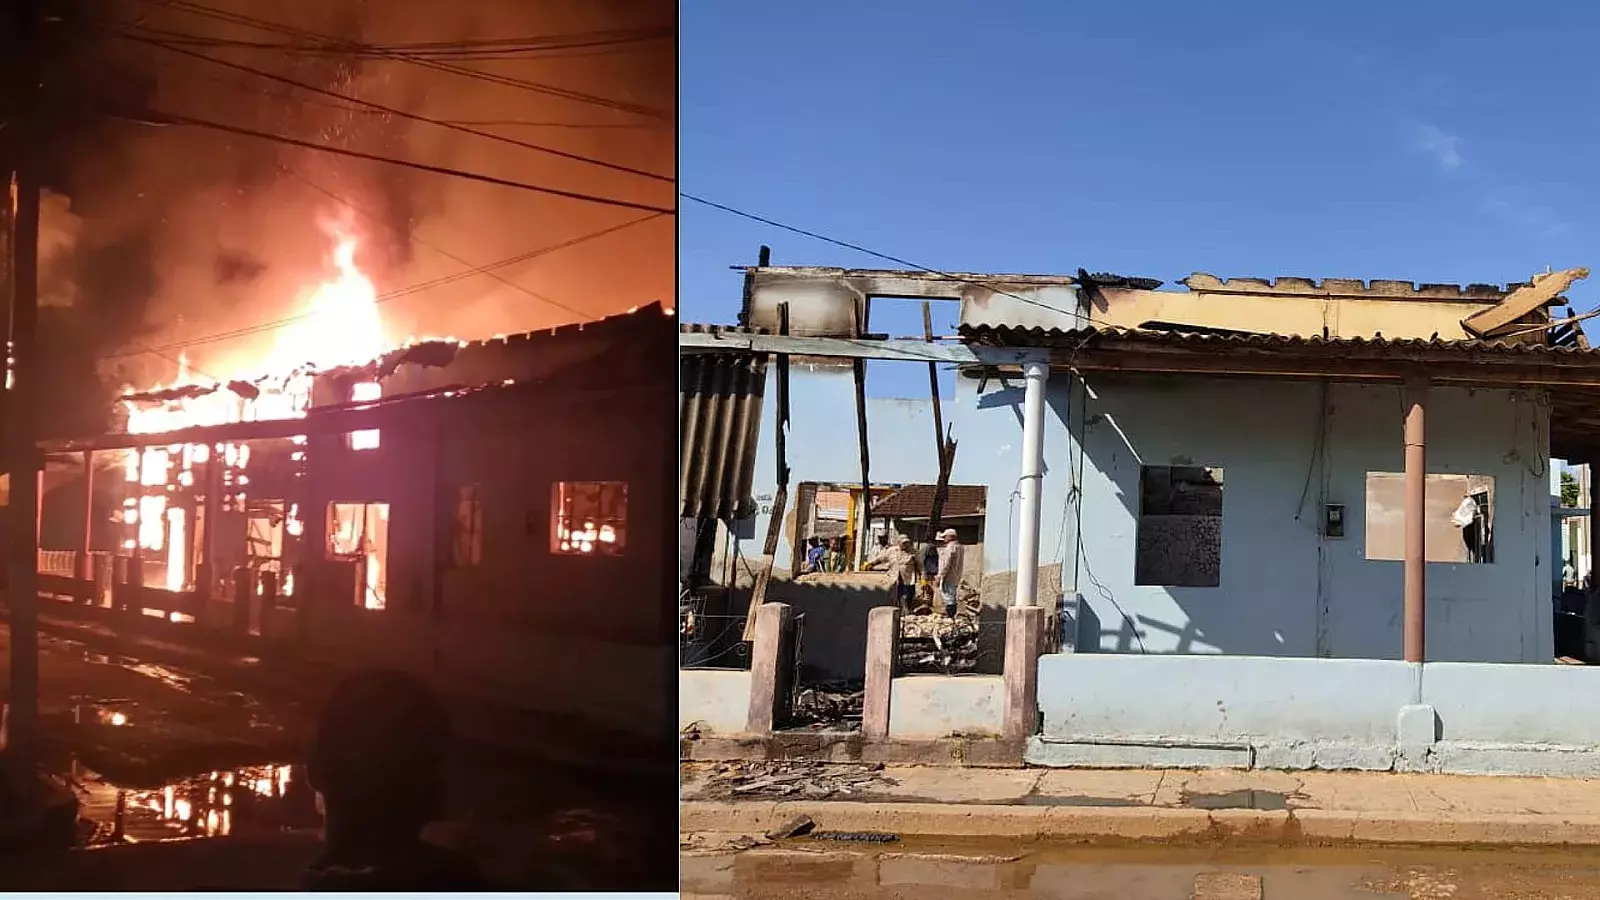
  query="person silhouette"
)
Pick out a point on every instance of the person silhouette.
point(378, 767)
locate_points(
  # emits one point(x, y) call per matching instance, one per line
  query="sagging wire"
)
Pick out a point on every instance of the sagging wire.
point(1317, 449)
point(1514, 456)
point(1075, 494)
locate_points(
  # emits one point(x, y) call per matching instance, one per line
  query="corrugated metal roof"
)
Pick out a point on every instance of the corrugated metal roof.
point(1220, 339)
point(719, 430)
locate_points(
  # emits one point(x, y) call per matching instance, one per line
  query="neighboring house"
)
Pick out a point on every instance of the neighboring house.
point(491, 515)
point(1223, 464)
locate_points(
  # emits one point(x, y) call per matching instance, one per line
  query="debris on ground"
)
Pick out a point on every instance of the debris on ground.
point(708, 843)
point(834, 703)
point(937, 644)
point(794, 778)
point(793, 828)
point(856, 837)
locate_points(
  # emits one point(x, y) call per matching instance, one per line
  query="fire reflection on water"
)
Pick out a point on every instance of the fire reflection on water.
point(216, 804)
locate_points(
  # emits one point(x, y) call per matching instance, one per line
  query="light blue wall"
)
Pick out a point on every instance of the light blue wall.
point(1285, 590)
point(1279, 713)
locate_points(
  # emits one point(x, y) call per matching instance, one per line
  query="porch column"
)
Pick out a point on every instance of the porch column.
point(1586, 498)
point(86, 573)
point(1028, 486)
point(1416, 495)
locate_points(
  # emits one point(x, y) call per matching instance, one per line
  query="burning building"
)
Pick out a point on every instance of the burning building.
point(488, 514)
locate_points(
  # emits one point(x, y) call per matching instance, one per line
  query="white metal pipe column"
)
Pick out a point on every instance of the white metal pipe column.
point(1030, 483)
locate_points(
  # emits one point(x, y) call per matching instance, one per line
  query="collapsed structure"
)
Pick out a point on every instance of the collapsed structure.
point(1254, 493)
point(487, 514)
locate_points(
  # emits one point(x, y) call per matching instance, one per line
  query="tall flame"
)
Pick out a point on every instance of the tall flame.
point(341, 325)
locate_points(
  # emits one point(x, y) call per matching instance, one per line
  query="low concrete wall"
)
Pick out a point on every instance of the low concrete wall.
point(713, 700)
point(1284, 713)
point(940, 706)
point(1514, 719)
point(1195, 711)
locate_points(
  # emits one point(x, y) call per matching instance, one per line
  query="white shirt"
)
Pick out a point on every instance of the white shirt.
point(950, 559)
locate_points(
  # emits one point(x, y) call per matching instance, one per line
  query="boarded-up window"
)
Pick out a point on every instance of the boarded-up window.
point(1179, 543)
point(589, 518)
point(468, 530)
point(1458, 517)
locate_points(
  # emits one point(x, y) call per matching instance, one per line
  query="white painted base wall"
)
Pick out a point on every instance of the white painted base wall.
point(928, 707)
point(713, 700)
point(1283, 713)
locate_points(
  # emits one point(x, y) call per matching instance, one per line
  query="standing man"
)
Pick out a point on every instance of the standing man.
point(948, 578)
point(901, 562)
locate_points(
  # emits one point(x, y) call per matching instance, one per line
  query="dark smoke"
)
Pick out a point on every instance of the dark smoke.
point(162, 235)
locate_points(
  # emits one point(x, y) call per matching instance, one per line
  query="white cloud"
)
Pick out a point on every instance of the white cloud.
point(1441, 146)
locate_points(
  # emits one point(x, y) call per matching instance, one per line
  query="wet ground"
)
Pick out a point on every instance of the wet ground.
point(806, 869)
point(188, 772)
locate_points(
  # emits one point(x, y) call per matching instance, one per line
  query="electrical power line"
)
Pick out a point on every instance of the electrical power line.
point(220, 78)
point(157, 117)
point(398, 112)
point(387, 296)
point(199, 9)
point(374, 217)
point(491, 49)
point(860, 249)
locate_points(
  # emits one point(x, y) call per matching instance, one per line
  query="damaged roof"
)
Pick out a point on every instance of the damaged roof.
point(1220, 339)
point(533, 355)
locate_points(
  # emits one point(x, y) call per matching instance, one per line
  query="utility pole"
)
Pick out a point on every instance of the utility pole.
point(22, 455)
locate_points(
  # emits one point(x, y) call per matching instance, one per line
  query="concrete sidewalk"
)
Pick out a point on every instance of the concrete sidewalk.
point(1330, 808)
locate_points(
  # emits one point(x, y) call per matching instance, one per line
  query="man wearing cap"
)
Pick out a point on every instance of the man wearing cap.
point(948, 578)
point(899, 561)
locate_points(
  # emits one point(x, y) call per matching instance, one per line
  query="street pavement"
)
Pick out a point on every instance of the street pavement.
point(995, 869)
point(1148, 805)
point(160, 727)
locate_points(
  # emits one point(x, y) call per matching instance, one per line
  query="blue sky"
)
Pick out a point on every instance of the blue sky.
point(1424, 141)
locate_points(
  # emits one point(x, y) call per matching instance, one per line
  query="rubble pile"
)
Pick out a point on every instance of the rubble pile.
point(832, 703)
point(794, 778)
point(938, 644)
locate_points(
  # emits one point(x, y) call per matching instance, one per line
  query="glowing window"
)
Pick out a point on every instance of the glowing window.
point(589, 518)
point(468, 543)
point(359, 532)
point(365, 392)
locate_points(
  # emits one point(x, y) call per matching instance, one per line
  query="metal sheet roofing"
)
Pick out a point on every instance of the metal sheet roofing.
point(719, 429)
point(1221, 339)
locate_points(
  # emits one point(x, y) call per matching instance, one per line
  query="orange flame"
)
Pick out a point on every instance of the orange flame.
point(340, 325)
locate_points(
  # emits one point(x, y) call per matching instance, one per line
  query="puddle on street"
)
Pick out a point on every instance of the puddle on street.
point(1246, 799)
point(246, 800)
point(1076, 800)
point(1007, 868)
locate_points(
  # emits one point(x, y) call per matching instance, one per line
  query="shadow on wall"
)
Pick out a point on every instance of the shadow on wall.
point(1155, 500)
point(998, 590)
point(834, 636)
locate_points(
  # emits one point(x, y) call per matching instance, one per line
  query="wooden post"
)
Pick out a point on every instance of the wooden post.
point(780, 500)
point(22, 720)
point(243, 595)
point(859, 370)
point(86, 543)
point(942, 446)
